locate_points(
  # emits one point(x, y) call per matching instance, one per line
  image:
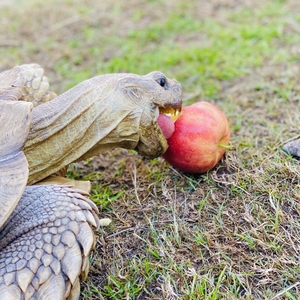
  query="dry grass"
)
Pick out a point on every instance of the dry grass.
point(232, 233)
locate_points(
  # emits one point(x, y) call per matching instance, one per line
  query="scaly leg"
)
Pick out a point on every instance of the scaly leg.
point(46, 251)
point(27, 83)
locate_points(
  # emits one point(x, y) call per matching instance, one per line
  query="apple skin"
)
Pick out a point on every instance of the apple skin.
point(200, 139)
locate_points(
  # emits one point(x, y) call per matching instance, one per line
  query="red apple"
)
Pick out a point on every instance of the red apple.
point(200, 139)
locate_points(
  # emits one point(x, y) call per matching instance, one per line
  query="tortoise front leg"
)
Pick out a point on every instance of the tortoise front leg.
point(36, 87)
point(44, 245)
point(26, 83)
point(292, 148)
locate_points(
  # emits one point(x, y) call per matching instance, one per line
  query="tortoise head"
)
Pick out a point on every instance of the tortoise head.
point(152, 94)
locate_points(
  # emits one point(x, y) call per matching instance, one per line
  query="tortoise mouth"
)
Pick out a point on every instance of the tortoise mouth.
point(153, 141)
point(171, 112)
point(166, 120)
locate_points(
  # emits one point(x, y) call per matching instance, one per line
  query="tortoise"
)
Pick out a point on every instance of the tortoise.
point(47, 221)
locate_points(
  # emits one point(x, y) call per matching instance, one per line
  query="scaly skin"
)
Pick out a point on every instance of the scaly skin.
point(45, 230)
point(45, 244)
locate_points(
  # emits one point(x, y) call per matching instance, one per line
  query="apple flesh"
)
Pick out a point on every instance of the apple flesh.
point(200, 139)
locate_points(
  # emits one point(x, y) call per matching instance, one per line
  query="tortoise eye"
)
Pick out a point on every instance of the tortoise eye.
point(162, 82)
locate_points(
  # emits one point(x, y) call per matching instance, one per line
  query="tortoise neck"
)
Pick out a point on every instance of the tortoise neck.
point(89, 119)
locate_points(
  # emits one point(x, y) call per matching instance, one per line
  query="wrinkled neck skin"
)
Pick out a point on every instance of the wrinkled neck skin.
point(90, 118)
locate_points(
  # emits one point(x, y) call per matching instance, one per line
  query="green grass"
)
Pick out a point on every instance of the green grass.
point(200, 50)
point(231, 233)
point(212, 53)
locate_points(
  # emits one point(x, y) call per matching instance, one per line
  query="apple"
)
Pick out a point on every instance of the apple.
point(200, 139)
